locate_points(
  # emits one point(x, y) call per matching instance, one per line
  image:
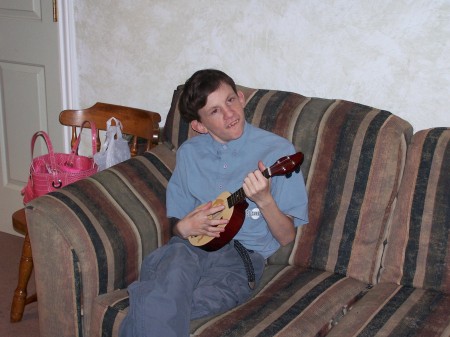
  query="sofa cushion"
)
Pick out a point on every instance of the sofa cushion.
point(297, 302)
point(418, 246)
point(354, 178)
point(393, 310)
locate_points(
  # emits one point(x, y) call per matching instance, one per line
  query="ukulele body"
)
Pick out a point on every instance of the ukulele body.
point(235, 215)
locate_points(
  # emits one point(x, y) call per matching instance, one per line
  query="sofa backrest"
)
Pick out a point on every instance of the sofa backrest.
point(354, 158)
point(418, 246)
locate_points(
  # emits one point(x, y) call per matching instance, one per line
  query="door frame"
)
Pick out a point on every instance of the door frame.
point(68, 60)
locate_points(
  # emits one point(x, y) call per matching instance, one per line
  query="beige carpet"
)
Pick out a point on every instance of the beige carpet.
point(10, 252)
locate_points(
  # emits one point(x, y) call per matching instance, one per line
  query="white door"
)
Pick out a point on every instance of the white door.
point(30, 93)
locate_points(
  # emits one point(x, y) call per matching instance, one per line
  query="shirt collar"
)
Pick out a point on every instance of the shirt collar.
point(233, 145)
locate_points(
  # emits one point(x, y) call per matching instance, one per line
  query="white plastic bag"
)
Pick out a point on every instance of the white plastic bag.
point(115, 149)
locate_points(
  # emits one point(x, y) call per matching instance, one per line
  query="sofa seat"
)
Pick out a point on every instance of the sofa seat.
point(296, 301)
point(390, 309)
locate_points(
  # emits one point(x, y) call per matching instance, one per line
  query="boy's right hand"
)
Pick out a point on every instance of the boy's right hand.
point(201, 222)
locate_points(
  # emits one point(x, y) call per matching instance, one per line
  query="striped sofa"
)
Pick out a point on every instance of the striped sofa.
point(374, 260)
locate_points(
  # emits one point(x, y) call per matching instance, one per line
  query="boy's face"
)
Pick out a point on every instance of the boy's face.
point(223, 115)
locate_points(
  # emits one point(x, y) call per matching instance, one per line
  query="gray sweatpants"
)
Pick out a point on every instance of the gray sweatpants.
point(180, 282)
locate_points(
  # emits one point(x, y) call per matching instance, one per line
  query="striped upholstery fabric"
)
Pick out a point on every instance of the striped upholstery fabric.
point(418, 249)
point(413, 296)
point(297, 302)
point(397, 311)
point(354, 159)
point(109, 311)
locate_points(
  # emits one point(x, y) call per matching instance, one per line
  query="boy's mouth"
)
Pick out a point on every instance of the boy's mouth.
point(235, 122)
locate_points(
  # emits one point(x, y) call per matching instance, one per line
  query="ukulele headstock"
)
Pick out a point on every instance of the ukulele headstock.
point(285, 165)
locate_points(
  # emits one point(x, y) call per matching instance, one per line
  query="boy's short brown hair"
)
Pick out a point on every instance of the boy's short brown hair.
point(197, 88)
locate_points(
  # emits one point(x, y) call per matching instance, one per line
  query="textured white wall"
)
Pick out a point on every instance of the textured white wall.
point(394, 55)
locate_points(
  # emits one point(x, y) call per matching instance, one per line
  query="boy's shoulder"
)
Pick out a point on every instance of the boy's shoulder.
point(259, 134)
point(195, 143)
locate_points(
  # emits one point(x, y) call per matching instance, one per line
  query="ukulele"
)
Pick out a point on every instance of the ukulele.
point(235, 206)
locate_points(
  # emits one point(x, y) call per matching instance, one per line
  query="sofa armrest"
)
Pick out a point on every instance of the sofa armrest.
point(90, 237)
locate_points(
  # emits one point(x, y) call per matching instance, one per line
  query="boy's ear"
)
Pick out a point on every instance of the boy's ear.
point(198, 127)
point(241, 97)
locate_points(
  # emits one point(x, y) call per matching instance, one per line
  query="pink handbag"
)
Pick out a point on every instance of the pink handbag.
point(52, 171)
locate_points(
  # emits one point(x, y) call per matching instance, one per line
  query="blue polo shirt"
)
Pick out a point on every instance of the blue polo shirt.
point(205, 168)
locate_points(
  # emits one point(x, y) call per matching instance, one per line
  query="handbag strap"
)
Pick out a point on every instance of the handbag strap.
point(75, 146)
point(44, 134)
point(118, 128)
point(112, 131)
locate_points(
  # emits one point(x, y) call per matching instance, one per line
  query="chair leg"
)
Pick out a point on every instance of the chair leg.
point(20, 294)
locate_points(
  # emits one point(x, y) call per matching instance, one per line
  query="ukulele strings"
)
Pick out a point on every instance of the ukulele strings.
point(239, 195)
point(236, 197)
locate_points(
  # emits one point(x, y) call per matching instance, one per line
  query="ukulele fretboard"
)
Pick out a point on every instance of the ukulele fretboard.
point(236, 197)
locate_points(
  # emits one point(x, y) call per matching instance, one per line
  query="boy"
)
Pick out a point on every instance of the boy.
point(180, 282)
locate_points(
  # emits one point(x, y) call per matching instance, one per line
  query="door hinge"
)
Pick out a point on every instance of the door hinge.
point(55, 11)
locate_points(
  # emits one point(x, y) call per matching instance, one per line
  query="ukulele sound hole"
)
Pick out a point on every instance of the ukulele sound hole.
point(217, 215)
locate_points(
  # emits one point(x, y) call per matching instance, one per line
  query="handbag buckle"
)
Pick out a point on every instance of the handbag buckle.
point(59, 184)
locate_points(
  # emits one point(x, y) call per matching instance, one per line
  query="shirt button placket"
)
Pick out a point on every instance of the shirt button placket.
point(225, 164)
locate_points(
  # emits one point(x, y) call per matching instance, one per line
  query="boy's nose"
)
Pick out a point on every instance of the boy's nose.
point(227, 112)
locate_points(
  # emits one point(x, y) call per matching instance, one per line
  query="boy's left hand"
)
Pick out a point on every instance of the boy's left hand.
point(257, 187)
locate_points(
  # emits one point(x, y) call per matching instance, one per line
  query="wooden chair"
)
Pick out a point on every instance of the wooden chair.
point(138, 123)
